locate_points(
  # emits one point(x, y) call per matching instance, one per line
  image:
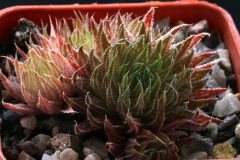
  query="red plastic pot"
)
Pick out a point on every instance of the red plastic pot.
point(190, 11)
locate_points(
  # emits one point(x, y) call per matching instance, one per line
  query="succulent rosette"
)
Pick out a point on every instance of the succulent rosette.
point(142, 87)
point(38, 83)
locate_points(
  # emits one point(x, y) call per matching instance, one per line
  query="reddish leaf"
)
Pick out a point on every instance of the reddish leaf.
point(207, 93)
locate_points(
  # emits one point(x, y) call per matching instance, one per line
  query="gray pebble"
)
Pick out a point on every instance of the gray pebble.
point(219, 75)
point(237, 131)
point(212, 131)
point(204, 144)
point(228, 121)
point(226, 106)
point(225, 60)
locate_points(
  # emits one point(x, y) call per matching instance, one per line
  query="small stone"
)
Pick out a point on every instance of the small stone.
point(24, 156)
point(211, 83)
point(219, 75)
point(62, 141)
point(49, 151)
point(56, 154)
point(225, 60)
point(68, 153)
point(237, 131)
point(87, 151)
point(212, 131)
point(55, 131)
point(91, 157)
point(201, 26)
point(224, 150)
point(226, 106)
point(10, 120)
point(225, 135)
point(29, 147)
point(42, 141)
point(201, 48)
point(28, 122)
point(204, 144)
point(47, 157)
point(228, 122)
point(196, 156)
point(231, 140)
point(163, 24)
point(97, 146)
point(220, 46)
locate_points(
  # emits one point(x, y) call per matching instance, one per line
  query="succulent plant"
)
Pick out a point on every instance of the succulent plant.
point(38, 83)
point(141, 87)
point(134, 82)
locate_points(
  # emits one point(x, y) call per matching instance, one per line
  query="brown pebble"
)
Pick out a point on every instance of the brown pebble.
point(68, 153)
point(55, 131)
point(238, 96)
point(24, 156)
point(28, 122)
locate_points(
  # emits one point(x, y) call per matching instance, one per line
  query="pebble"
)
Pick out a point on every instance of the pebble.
point(10, 120)
point(226, 106)
point(29, 147)
point(201, 48)
point(68, 153)
point(62, 141)
point(87, 152)
point(91, 157)
point(199, 27)
point(204, 145)
point(228, 121)
point(56, 154)
point(28, 122)
point(232, 140)
point(97, 146)
point(212, 131)
point(163, 24)
point(225, 135)
point(225, 60)
point(24, 156)
point(237, 131)
point(224, 150)
point(218, 75)
point(42, 141)
point(48, 157)
point(55, 131)
point(196, 156)
point(49, 151)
